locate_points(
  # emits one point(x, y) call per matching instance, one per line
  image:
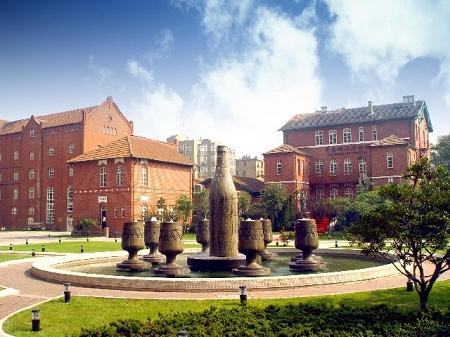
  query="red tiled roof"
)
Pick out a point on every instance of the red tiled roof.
point(391, 140)
point(285, 148)
point(51, 120)
point(135, 147)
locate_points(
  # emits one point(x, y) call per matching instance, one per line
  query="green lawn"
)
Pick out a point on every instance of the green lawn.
point(9, 257)
point(60, 319)
point(75, 246)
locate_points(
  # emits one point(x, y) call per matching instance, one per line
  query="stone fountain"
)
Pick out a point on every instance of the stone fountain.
point(223, 228)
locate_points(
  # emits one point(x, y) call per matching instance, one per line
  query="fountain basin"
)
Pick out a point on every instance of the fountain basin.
point(49, 270)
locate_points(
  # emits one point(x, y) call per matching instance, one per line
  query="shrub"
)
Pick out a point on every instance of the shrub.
point(86, 224)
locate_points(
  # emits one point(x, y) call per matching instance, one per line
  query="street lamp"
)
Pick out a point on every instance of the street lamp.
point(243, 296)
point(35, 320)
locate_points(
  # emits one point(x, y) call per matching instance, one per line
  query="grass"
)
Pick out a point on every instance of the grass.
point(9, 257)
point(75, 246)
point(60, 319)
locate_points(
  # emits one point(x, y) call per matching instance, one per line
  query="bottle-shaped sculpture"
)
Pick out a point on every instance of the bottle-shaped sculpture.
point(132, 242)
point(307, 240)
point(151, 234)
point(223, 205)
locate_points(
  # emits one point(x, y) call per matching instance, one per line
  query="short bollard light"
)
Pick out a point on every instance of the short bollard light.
point(182, 333)
point(409, 285)
point(87, 239)
point(10, 246)
point(42, 248)
point(35, 320)
point(82, 249)
point(26, 241)
point(115, 239)
point(33, 253)
point(66, 292)
point(335, 244)
point(243, 295)
point(59, 240)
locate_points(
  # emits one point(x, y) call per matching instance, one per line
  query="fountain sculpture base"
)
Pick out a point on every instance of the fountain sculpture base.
point(267, 256)
point(308, 265)
point(251, 270)
point(314, 257)
point(132, 265)
point(171, 270)
point(204, 262)
point(153, 259)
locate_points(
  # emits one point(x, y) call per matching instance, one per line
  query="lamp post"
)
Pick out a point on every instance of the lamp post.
point(35, 320)
point(33, 253)
point(81, 249)
point(10, 246)
point(66, 292)
point(42, 248)
point(243, 295)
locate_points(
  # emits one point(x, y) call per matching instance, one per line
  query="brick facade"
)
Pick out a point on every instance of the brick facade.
point(380, 147)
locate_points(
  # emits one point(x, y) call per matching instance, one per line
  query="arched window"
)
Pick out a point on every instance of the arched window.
point(333, 193)
point(103, 176)
point(362, 167)
point(347, 166)
point(319, 195)
point(144, 176)
point(333, 167)
point(348, 192)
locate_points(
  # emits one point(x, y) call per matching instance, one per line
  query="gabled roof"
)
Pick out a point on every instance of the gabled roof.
point(388, 141)
point(51, 120)
point(135, 147)
point(358, 115)
point(251, 185)
point(285, 148)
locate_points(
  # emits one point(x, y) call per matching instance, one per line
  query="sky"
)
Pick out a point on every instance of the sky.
point(232, 71)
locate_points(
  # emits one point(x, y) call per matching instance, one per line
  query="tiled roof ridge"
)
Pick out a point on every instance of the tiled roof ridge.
point(127, 137)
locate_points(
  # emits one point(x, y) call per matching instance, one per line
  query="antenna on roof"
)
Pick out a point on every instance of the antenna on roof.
point(370, 106)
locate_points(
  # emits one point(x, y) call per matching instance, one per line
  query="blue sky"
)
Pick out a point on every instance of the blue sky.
point(234, 71)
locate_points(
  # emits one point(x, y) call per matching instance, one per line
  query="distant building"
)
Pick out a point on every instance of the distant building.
point(252, 186)
point(326, 154)
point(203, 153)
point(250, 167)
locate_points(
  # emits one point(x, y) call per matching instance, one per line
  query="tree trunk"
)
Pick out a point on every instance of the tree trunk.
point(424, 300)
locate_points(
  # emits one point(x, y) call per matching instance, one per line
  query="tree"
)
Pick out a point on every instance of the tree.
point(410, 225)
point(274, 197)
point(183, 208)
point(257, 210)
point(200, 206)
point(161, 205)
point(440, 153)
point(244, 202)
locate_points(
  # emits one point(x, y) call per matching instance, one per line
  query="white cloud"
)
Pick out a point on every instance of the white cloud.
point(243, 98)
point(378, 38)
point(162, 46)
point(138, 71)
point(101, 73)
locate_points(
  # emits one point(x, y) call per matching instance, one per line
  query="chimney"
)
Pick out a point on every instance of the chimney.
point(408, 99)
point(323, 108)
point(370, 106)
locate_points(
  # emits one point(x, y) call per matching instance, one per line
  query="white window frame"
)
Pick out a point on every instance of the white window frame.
point(319, 194)
point(51, 151)
point(119, 175)
point(333, 167)
point(50, 209)
point(332, 136)
point(318, 136)
point(30, 210)
point(361, 134)
point(102, 176)
point(31, 193)
point(15, 194)
point(70, 171)
point(362, 167)
point(16, 176)
point(31, 155)
point(348, 192)
point(14, 210)
point(32, 133)
point(347, 135)
point(31, 174)
point(51, 173)
point(348, 166)
point(374, 132)
point(279, 167)
point(389, 159)
point(144, 210)
point(16, 155)
point(71, 148)
point(334, 193)
point(144, 176)
point(319, 167)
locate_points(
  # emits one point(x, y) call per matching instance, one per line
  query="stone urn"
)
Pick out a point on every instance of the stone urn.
point(307, 240)
point(151, 238)
point(132, 242)
point(171, 244)
point(202, 235)
point(268, 238)
point(251, 243)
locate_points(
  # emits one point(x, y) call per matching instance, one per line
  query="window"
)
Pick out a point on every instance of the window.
point(347, 135)
point(319, 137)
point(319, 195)
point(303, 168)
point(279, 167)
point(31, 174)
point(71, 148)
point(361, 134)
point(390, 159)
point(333, 167)
point(0, 177)
point(333, 193)
point(14, 211)
point(119, 176)
point(30, 210)
point(50, 210)
point(103, 176)
point(16, 176)
point(70, 171)
point(348, 192)
point(15, 194)
point(31, 155)
point(347, 166)
point(319, 167)
point(51, 151)
point(299, 167)
point(31, 193)
point(144, 180)
point(122, 212)
point(51, 173)
point(390, 180)
point(332, 136)
point(203, 148)
point(362, 167)
point(69, 199)
point(16, 155)
point(0, 156)
point(30, 220)
point(203, 169)
point(144, 210)
point(374, 132)
point(31, 133)
point(116, 212)
point(203, 159)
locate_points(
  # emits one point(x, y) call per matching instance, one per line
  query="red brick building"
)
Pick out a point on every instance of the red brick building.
point(123, 180)
point(35, 180)
point(325, 154)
